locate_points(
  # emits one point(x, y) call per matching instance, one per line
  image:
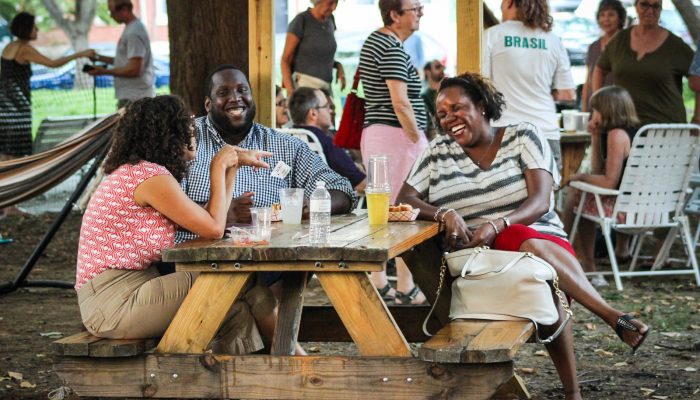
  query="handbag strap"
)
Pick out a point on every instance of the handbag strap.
point(356, 80)
point(443, 270)
point(567, 310)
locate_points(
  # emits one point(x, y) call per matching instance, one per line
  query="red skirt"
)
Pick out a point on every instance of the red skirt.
point(512, 238)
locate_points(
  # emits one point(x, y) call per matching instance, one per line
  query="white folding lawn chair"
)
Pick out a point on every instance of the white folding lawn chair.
point(307, 137)
point(314, 144)
point(652, 195)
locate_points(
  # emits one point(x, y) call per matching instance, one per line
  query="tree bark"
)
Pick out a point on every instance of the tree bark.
point(77, 30)
point(203, 35)
point(690, 16)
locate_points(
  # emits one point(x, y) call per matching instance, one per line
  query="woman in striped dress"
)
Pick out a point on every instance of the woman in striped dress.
point(395, 115)
point(493, 187)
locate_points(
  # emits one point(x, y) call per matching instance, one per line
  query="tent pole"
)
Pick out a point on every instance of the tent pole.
point(21, 278)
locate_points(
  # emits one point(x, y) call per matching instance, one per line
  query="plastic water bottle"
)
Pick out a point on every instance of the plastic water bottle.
point(320, 218)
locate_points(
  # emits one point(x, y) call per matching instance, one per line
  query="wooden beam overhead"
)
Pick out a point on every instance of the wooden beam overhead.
point(261, 50)
point(470, 25)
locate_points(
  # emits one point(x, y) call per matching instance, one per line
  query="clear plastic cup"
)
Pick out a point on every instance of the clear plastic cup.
point(568, 120)
point(377, 206)
point(582, 122)
point(262, 222)
point(378, 173)
point(292, 203)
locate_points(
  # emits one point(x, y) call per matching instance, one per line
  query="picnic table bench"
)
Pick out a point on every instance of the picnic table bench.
point(466, 359)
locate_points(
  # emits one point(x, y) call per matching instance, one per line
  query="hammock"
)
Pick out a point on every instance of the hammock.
point(26, 177)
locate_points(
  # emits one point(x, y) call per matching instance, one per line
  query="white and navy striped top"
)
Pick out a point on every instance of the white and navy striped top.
point(446, 177)
point(383, 57)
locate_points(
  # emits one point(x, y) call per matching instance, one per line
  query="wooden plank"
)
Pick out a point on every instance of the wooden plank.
point(202, 312)
point(424, 263)
point(122, 347)
point(476, 341)
point(289, 317)
point(469, 30)
point(392, 240)
point(75, 345)
point(298, 266)
point(261, 50)
point(364, 314)
point(322, 324)
point(191, 250)
point(274, 377)
point(514, 387)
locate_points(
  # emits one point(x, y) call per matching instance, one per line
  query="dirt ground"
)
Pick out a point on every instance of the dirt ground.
point(665, 367)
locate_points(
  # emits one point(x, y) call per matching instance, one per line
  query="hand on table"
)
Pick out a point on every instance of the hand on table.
point(456, 231)
point(239, 211)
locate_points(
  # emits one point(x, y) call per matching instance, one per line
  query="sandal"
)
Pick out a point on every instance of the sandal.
point(384, 292)
point(407, 298)
point(624, 323)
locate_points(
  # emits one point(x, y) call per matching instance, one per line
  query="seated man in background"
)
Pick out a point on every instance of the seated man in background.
point(433, 72)
point(310, 110)
point(229, 120)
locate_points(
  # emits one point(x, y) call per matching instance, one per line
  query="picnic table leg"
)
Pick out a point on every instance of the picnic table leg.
point(364, 314)
point(202, 312)
point(291, 304)
point(424, 263)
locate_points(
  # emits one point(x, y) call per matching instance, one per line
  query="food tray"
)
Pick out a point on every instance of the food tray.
point(404, 216)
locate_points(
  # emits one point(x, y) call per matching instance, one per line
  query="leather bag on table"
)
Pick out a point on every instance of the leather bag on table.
point(349, 132)
point(503, 285)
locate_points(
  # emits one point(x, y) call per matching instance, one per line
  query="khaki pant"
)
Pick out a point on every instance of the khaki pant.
point(128, 304)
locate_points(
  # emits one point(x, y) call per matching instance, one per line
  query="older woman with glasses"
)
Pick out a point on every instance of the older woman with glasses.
point(395, 118)
point(650, 63)
point(281, 109)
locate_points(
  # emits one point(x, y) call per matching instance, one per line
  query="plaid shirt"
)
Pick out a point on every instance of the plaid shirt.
point(306, 168)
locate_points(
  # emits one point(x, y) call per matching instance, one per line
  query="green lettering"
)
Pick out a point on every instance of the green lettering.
point(543, 44)
point(509, 41)
point(525, 45)
point(533, 43)
point(516, 41)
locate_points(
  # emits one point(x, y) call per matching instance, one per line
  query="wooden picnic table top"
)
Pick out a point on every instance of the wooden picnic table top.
point(351, 239)
point(575, 137)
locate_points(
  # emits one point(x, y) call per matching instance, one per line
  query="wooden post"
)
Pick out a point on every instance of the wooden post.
point(469, 28)
point(261, 50)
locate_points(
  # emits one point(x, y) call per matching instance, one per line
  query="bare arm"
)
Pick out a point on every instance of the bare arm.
point(565, 95)
point(290, 47)
point(339, 74)
point(584, 91)
point(130, 70)
point(105, 59)
point(403, 109)
point(340, 202)
point(29, 53)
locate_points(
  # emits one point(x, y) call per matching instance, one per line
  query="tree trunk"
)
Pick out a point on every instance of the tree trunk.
point(690, 16)
point(77, 29)
point(203, 35)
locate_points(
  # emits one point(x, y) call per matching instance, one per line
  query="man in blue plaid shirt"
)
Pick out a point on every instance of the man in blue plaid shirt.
point(229, 120)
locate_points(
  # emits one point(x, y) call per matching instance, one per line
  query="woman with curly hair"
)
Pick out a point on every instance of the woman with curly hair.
point(493, 187)
point(529, 65)
point(133, 215)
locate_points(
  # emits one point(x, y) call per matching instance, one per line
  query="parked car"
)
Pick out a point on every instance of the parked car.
point(63, 77)
point(576, 33)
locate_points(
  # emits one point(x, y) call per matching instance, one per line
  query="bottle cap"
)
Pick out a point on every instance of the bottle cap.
point(320, 184)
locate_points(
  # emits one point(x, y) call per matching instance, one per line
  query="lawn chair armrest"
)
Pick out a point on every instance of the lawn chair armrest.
point(587, 187)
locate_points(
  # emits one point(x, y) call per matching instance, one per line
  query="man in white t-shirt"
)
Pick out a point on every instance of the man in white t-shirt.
point(530, 66)
point(133, 63)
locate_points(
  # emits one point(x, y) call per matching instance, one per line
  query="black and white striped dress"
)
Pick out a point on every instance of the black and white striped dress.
point(382, 57)
point(15, 109)
point(446, 177)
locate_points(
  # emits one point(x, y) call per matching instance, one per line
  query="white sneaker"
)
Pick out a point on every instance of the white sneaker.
point(599, 281)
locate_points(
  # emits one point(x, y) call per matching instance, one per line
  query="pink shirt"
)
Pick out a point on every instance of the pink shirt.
point(116, 232)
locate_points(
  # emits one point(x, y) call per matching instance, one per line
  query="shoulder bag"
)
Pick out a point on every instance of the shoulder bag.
point(349, 132)
point(502, 285)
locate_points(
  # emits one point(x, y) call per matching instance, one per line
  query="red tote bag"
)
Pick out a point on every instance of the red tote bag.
point(349, 132)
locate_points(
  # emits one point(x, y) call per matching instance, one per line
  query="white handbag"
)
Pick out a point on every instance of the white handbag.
point(502, 285)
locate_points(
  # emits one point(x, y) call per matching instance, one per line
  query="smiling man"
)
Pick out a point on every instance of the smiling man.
point(229, 120)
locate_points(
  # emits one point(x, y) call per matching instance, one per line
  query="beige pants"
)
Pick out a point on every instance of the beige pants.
point(128, 304)
point(303, 80)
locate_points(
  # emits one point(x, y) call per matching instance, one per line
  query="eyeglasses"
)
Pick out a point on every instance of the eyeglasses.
point(327, 105)
point(645, 6)
point(282, 103)
point(416, 9)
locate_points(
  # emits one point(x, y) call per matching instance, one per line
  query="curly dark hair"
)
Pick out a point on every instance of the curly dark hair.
point(480, 91)
point(534, 14)
point(158, 130)
point(22, 25)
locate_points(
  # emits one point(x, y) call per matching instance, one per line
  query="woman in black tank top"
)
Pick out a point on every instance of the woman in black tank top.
point(612, 127)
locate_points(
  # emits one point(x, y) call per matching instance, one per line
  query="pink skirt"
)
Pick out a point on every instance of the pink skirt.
point(392, 142)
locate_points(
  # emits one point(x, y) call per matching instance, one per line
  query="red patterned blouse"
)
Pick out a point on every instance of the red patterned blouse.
point(116, 232)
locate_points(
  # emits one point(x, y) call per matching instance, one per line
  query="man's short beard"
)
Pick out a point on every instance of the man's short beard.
point(224, 126)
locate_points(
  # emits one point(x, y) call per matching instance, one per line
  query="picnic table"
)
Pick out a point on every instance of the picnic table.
point(573, 150)
point(466, 359)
